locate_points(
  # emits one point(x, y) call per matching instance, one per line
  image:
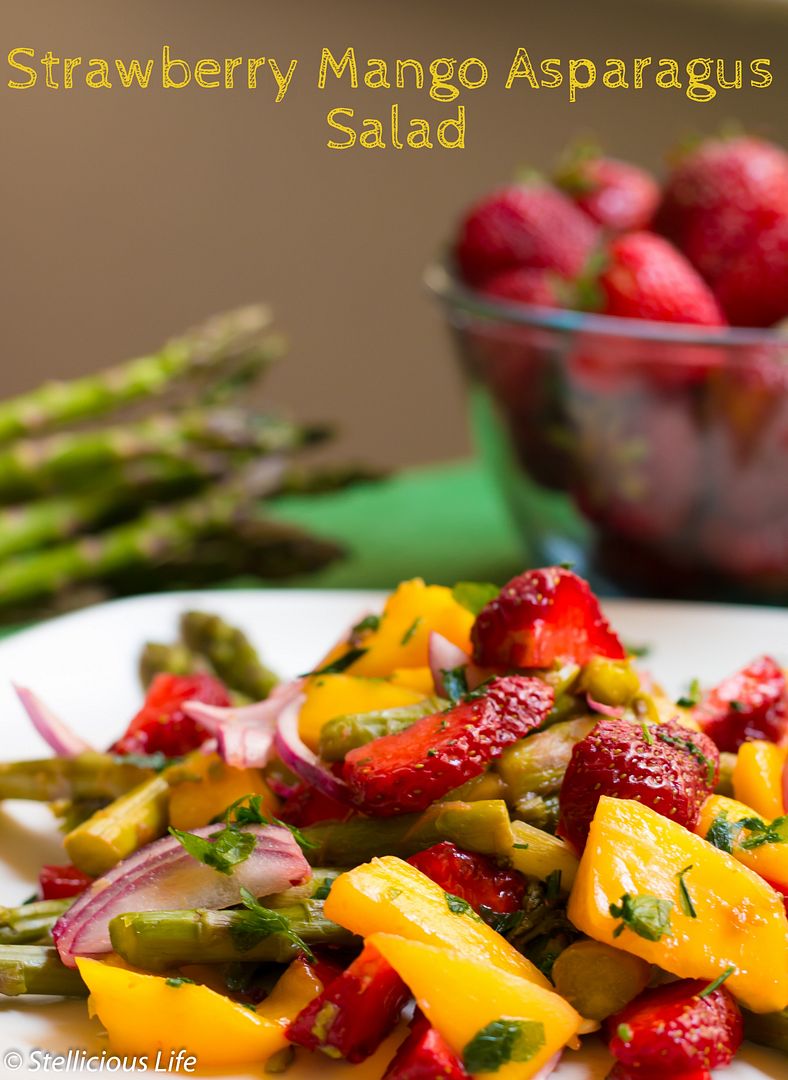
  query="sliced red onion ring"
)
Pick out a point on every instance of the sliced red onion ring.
point(297, 756)
point(245, 735)
point(615, 711)
point(163, 876)
point(444, 655)
point(51, 728)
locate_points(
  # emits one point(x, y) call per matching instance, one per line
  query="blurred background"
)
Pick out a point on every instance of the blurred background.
point(129, 216)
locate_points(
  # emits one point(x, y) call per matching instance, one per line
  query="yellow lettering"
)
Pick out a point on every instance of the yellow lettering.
point(203, 69)
point(575, 82)
point(282, 81)
point(134, 72)
point(760, 67)
point(167, 64)
point(458, 142)
point(418, 73)
point(338, 67)
point(522, 68)
point(668, 75)
point(31, 73)
point(70, 64)
point(331, 118)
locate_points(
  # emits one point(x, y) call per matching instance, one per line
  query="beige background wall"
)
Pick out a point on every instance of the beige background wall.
point(127, 216)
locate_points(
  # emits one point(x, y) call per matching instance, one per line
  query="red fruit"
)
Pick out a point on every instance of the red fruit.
point(524, 225)
point(673, 1030)
point(752, 704)
point(664, 766)
point(526, 286)
point(406, 772)
point(632, 1072)
point(308, 806)
point(161, 726)
point(475, 878)
point(425, 1055)
point(647, 278)
point(57, 882)
point(753, 287)
point(720, 196)
point(617, 195)
point(540, 617)
point(355, 1012)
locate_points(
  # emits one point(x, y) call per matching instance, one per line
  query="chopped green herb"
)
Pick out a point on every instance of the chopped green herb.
point(721, 834)
point(323, 889)
point(179, 980)
point(624, 1032)
point(502, 922)
point(258, 922)
point(248, 810)
point(521, 847)
point(455, 683)
point(369, 622)
point(567, 565)
point(224, 850)
point(638, 651)
point(460, 906)
point(689, 747)
point(646, 731)
point(647, 916)
point(685, 900)
point(406, 637)
point(552, 886)
point(156, 761)
point(761, 833)
point(736, 706)
point(432, 752)
point(692, 697)
point(342, 663)
point(502, 1041)
point(717, 982)
point(474, 595)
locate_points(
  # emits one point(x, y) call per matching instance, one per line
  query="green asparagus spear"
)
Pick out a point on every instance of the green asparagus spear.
point(725, 781)
point(30, 922)
point(215, 345)
point(175, 659)
point(37, 969)
point(87, 776)
point(118, 830)
point(768, 1029)
point(478, 826)
point(317, 888)
point(538, 810)
point(343, 734)
point(157, 940)
point(538, 854)
point(230, 653)
point(536, 765)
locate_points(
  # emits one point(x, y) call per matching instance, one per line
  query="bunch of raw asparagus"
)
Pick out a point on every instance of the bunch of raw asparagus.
point(162, 499)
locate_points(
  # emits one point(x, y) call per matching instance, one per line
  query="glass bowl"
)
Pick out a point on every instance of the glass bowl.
point(652, 456)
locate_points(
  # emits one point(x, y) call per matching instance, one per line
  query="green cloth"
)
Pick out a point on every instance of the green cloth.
point(445, 523)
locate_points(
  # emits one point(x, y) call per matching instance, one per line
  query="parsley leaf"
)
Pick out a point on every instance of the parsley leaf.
point(638, 651)
point(692, 697)
point(179, 980)
point(257, 923)
point(474, 595)
point(552, 885)
point(224, 850)
point(624, 1032)
point(323, 889)
point(406, 637)
point(717, 982)
point(455, 684)
point(721, 834)
point(647, 916)
point(689, 747)
point(500, 921)
point(342, 663)
point(760, 833)
point(368, 623)
point(685, 900)
point(460, 906)
point(502, 1041)
point(248, 810)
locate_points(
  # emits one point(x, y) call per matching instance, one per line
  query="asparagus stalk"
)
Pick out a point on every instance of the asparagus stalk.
point(768, 1029)
point(536, 765)
point(216, 344)
point(30, 922)
point(344, 733)
point(37, 969)
point(229, 652)
point(157, 940)
point(118, 830)
point(87, 776)
point(176, 659)
point(316, 888)
point(477, 826)
point(538, 854)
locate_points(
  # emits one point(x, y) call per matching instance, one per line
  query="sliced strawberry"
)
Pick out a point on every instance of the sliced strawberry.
point(355, 1012)
point(632, 1072)
point(406, 772)
point(475, 878)
point(540, 617)
point(57, 882)
point(674, 1030)
point(425, 1055)
point(752, 704)
point(161, 725)
point(664, 766)
point(307, 806)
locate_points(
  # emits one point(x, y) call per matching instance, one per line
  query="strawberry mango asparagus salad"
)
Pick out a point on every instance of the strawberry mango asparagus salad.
point(476, 827)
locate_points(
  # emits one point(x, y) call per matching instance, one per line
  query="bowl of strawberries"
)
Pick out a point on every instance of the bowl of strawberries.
point(625, 342)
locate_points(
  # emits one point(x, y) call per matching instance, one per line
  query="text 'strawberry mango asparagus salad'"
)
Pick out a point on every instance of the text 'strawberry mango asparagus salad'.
point(473, 835)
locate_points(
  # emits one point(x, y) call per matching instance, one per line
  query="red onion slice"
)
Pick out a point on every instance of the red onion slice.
point(51, 728)
point(297, 756)
point(549, 1068)
point(615, 711)
point(245, 735)
point(444, 655)
point(163, 876)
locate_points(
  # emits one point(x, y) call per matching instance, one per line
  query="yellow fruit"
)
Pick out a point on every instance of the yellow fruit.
point(391, 896)
point(416, 678)
point(758, 777)
point(462, 996)
point(292, 993)
point(203, 786)
point(329, 696)
point(740, 921)
point(770, 861)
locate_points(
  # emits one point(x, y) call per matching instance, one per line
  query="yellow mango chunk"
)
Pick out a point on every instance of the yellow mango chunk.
point(390, 896)
point(758, 777)
point(740, 920)
point(411, 613)
point(770, 861)
point(460, 996)
point(144, 1014)
point(329, 696)
point(204, 786)
point(292, 993)
point(416, 678)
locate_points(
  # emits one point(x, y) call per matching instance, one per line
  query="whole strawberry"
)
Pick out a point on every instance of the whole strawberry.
point(753, 287)
point(664, 766)
point(645, 277)
point(617, 195)
point(676, 1029)
point(540, 617)
point(524, 225)
point(752, 704)
point(720, 196)
point(526, 285)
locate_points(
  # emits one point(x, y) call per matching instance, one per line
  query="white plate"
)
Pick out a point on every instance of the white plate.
point(84, 665)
